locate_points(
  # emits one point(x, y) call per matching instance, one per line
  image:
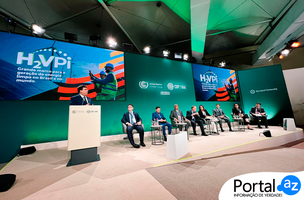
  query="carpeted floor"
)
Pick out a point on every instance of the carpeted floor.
point(128, 173)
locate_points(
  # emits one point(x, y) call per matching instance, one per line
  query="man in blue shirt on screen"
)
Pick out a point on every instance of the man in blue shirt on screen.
point(158, 116)
point(81, 98)
point(109, 83)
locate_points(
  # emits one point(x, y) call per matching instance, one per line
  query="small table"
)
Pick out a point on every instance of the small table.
point(157, 139)
point(181, 124)
point(214, 128)
point(240, 123)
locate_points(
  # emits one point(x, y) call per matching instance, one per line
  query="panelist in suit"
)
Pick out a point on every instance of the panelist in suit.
point(237, 111)
point(177, 116)
point(220, 115)
point(259, 114)
point(81, 98)
point(158, 116)
point(203, 113)
point(133, 121)
point(194, 118)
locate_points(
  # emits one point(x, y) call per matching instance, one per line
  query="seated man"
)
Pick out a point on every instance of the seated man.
point(177, 116)
point(158, 116)
point(220, 115)
point(133, 121)
point(194, 118)
point(259, 114)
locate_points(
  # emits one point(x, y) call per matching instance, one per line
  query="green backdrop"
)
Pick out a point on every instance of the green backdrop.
point(267, 86)
point(31, 122)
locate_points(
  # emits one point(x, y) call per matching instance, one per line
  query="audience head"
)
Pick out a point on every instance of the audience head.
point(236, 105)
point(201, 107)
point(175, 106)
point(218, 106)
point(83, 90)
point(193, 108)
point(157, 109)
point(258, 105)
point(130, 108)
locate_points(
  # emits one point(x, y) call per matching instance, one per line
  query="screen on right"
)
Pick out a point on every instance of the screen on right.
point(215, 84)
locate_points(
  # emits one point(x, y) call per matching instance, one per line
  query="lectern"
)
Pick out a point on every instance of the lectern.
point(84, 134)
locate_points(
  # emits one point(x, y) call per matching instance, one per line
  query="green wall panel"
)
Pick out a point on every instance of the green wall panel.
point(31, 122)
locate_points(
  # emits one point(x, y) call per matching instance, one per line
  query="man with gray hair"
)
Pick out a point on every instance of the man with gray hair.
point(177, 116)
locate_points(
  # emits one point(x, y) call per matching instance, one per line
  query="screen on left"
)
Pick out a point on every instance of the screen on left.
point(40, 69)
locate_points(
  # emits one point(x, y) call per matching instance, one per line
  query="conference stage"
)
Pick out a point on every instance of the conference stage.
point(44, 175)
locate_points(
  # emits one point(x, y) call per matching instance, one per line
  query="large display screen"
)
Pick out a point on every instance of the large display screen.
point(215, 84)
point(40, 69)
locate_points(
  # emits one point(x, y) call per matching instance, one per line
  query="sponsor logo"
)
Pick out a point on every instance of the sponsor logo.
point(143, 84)
point(252, 91)
point(170, 86)
point(164, 93)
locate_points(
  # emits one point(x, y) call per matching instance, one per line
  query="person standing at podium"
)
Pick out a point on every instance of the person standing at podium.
point(81, 98)
point(133, 121)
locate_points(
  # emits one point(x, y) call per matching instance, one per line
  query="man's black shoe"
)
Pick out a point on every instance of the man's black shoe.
point(136, 146)
point(231, 130)
point(222, 130)
point(194, 134)
point(266, 126)
point(125, 138)
point(165, 138)
point(205, 134)
point(259, 126)
point(142, 144)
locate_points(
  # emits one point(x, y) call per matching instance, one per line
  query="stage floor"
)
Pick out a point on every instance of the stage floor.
point(44, 175)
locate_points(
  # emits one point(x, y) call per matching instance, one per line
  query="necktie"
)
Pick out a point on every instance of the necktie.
point(193, 116)
point(131, 114)
point(179, 116)
point(85, 101)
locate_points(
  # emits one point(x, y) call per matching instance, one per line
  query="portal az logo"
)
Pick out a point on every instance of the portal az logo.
point(290, 185)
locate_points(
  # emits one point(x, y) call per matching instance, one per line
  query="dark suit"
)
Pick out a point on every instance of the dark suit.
point(202, 115)
point(259, 118)
point(174, 115)
point(219, 112)
point(78, 100)
point(238, 112)
point(195, 119)
point(159, 116)
point(126, 119)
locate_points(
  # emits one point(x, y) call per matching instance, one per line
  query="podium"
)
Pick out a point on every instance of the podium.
point(84, 134)
point(177, 145)
point(289, 124)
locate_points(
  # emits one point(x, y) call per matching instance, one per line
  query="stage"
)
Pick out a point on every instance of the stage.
point(126, 172)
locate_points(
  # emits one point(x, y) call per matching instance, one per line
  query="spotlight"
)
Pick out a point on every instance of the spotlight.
point(285, 52)
point(185, 56)
point(280, 56)
point(112, 42)
point(147, 49)
point(293, 44)
point(178, 55)
point(222, 63)
point(70, 36)
point(166, 53)
point(37, 29)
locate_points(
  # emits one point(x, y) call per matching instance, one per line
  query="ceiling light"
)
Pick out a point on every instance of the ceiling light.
point(222, 63)
point(147, 49)
point(295, 44)
point(185, 56)
point(112, 42)
point(37, 29)
point(285, 52)
point(166, 53)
